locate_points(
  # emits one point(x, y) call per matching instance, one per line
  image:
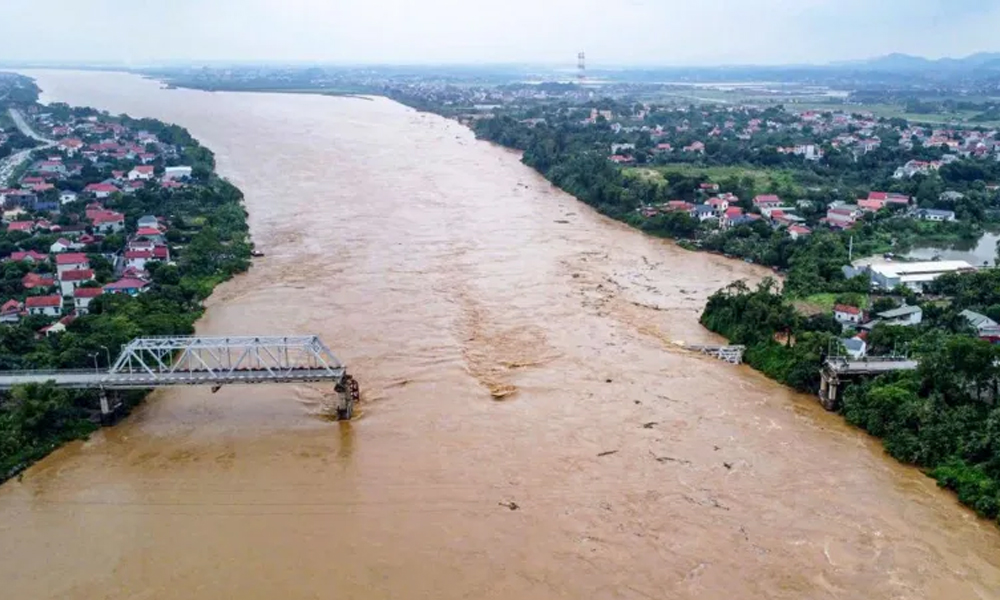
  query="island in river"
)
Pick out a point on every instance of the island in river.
point(435, 265)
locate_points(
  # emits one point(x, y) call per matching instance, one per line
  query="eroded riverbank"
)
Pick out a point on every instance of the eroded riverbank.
point(437, 266)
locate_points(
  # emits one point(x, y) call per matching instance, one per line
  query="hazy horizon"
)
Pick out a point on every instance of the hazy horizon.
point(527, 32)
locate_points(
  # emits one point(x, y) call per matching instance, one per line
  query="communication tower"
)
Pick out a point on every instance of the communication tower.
point(581, 67)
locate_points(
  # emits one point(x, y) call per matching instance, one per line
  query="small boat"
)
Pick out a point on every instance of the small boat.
point(256, 254)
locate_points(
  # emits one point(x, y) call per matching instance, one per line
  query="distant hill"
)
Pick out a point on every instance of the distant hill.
point(906, 62)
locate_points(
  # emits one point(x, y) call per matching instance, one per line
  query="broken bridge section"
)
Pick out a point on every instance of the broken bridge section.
point(837, 370)
point(152, 362)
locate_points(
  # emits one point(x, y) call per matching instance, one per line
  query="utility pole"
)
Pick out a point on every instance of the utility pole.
point(850, 250)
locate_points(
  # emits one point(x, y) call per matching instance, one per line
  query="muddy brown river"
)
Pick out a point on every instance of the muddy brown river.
point(439, 268)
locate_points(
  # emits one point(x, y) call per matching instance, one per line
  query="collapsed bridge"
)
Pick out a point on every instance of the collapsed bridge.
point(152, 362)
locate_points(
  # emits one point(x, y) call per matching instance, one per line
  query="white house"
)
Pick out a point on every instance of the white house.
point(176, 173)
point(847, 315)
point(83, 296)
point(856, 347)
point(904, 316)
point(50, 306)
point(71, 262)
point(67, 196)
point(141, 173)
point(70, 280)
point(108, 221)
point(136, 259)
point(931, 214)
point(61, 245)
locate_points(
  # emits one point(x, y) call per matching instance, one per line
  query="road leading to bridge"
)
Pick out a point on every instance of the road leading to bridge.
point(10, 164)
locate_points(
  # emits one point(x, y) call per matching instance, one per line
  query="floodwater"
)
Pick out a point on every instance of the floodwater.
point(980, 252)
point(439, 268)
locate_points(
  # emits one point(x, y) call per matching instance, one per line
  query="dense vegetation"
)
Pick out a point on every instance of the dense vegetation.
point(943, 417)
point(574, 157)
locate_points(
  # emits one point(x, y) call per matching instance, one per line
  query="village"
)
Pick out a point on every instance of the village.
point(67, 233)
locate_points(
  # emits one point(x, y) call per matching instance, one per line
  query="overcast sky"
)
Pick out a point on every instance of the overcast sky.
point(612, 32)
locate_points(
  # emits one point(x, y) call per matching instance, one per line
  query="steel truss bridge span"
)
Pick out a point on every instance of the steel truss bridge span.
point(152, 362)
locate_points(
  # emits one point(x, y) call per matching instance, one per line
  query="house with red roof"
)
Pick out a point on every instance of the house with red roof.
point(71, 146)
point(74, 278)
point(71, 261)
point(709, 187)
point(890, 198)
point(766, 201)
point(29, 256)
point(719, 205)
point(11, 311)
point(797, 231)
point(33, 281)
point(142, 172)
point(107, 221)
point(82, 297)
point(61, 245)
point(847, 315)
point(25, 226)
point(57, 327)
point(695, 147)
point(132, 287)
point(133, 186)
point(50, 306)
point(136, 259)
point(871, 205)
point(101, 190)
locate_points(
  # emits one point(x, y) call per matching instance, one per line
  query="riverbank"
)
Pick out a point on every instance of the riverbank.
point(141, 280)
point(430, 263)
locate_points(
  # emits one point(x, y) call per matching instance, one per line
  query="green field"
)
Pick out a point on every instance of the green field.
point(893, 111)
point(761, 177)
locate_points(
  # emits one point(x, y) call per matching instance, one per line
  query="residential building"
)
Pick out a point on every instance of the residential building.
point(137, 259)
point(176, 173)
point(141, 173)
point(22, 226)
point(148, 221)
point(67, 196)
point(719, 205)
point(11, 311)
point(933, 214)
point(71, 261)
point(914, 275)
point(902, 316)
point(70, 280)
point(704, 212)
point(132, 287)
point(107, 221)
point(57, 327)
point(50, 306)
point(843, 215)
point(847, 315)
point(82, 297)
point(61, 245)
point(766, 200)
point(856, 347)
point(985, 327)
point(30, 256)
point(33, 281)
point(797, 231)
point(101, 190)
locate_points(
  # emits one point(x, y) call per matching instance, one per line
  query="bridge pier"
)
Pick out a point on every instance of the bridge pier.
point(828, 389)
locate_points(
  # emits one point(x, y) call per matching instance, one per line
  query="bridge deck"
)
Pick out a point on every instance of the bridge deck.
point(862, 367)
point(144, 380)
